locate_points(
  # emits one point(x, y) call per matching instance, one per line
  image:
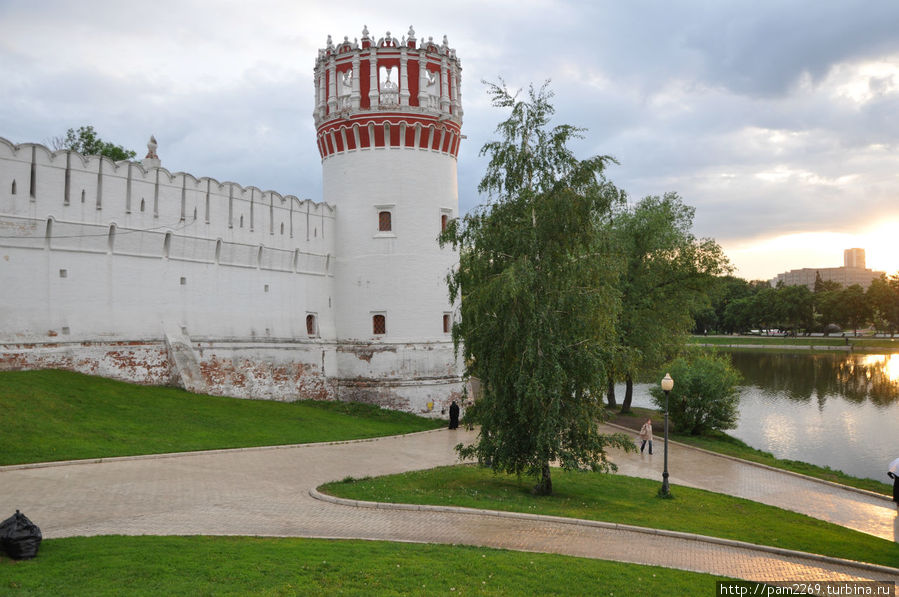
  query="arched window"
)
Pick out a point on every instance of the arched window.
point(384, 221)
point(378, 324)
point(13, 190)
point(167, 245)
point(143, 204)
point(311, 326)
point(282, 228)
point(241, 221)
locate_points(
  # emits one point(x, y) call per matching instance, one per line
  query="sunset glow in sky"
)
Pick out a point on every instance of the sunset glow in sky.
point(776, 121)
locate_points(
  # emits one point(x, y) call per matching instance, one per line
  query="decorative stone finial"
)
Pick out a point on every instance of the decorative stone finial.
point(411, 34)
point(445, 41)
point(151, 148)
point(330, 43)
point(364, 31)
point(152, 160)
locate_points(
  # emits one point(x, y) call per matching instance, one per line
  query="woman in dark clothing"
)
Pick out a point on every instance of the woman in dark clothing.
point(454, 415)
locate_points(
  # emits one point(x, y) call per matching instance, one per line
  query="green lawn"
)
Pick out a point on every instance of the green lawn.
point(241, 566)
point(60, 415)
point(626, 500)
point(724, 444)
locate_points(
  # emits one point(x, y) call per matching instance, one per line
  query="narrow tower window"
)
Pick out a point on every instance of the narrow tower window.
point(311, 326)
point(13, 190)
point(447, 323)
point(379, 324)
point(110, 239)
point(384, 221)
point(444, 219)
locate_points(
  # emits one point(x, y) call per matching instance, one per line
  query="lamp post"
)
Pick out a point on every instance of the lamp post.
point(667, 384)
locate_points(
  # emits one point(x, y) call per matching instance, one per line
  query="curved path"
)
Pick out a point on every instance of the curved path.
point(265, 491)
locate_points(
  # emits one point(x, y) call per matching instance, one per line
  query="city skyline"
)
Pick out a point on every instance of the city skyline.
point(776, 122)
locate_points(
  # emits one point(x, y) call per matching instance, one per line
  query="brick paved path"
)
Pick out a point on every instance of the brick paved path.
point(859, 510)
point(266, 492)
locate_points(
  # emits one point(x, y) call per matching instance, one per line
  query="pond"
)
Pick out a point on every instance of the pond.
point(837, 409)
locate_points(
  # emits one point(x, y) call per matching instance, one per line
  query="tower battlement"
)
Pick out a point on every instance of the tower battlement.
point(388, 93)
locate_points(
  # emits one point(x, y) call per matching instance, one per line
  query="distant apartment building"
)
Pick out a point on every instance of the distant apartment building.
point(852, 272)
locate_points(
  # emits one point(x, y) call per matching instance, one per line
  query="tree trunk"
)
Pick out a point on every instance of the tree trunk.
point(545, 486)
point(610, 393)
point(628, 394)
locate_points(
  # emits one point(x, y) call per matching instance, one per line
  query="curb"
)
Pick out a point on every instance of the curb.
point(770, 468)
point(51, 464)
point(880, 569)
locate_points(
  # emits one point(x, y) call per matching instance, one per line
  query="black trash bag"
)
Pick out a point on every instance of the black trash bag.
point(19, 537)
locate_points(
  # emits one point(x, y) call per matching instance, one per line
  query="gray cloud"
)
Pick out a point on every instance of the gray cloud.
point(759, 113)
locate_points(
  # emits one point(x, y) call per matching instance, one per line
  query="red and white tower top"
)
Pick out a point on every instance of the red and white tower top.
point(388, 93)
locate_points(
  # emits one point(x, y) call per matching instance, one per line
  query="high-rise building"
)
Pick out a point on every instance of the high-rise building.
point(852, 272)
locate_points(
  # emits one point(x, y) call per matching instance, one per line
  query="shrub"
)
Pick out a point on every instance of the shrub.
point(704, 396)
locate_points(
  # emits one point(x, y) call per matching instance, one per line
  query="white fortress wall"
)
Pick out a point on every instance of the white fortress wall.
point(100, 259)
point(131, 271)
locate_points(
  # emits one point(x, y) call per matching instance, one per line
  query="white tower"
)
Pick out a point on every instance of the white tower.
point(388, 117)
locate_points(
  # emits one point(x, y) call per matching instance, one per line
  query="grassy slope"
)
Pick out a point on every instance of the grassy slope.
point(239, 566)
point(59, 415)
point(627, 500)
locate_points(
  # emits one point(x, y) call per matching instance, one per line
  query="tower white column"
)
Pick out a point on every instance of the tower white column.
point(373, 90)
point(404, 78)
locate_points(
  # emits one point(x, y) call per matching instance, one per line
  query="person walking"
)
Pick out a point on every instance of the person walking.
point(454, 415)
point(893, 473)
point(646, 435)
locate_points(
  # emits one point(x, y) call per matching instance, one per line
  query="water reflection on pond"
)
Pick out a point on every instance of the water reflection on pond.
point(838, 410)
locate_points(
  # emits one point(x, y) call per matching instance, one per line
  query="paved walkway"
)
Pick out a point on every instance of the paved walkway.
point(266, 491)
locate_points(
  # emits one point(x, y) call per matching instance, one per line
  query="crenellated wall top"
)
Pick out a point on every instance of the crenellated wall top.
point(387, 75)
point(72, 160)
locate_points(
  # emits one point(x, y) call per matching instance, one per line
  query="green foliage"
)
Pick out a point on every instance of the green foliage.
point(856, 308)
point(60, 415)
point(665, 278)
point(256, 566)
point(704, 396)
point(883, 299)
point(625, 500)
point(539, 303)
point(86, 141)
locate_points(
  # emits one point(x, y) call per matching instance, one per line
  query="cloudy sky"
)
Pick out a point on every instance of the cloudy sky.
point(777, 120)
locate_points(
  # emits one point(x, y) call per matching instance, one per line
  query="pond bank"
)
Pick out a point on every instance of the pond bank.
point(849, 344)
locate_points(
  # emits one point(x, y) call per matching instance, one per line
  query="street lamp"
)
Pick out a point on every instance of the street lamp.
point(667, 384)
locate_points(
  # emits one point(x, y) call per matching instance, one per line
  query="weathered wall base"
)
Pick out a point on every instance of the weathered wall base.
point(271, 370)
point(428, 398)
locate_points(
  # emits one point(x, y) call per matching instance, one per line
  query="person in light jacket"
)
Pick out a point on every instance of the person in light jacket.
point(646, 435)
point(893, 473)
